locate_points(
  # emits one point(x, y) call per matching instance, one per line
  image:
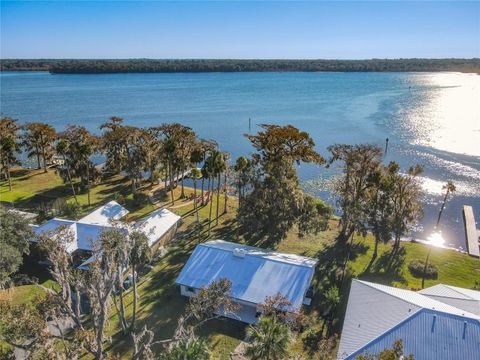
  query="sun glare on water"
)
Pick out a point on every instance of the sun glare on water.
point(448, 119)
point(436, 239)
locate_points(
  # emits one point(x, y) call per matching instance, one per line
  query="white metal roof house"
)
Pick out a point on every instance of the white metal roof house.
point(466, 299)
point(104, 215)
point(87, 230)
point(157, 224)
point(378, 315)
point(255, 273)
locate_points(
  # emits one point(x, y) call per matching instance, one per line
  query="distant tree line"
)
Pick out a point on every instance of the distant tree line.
point(97, 66)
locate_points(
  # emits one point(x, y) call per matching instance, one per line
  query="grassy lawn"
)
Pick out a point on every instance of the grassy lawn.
point(26, 184)
point(31, 187)
point(160, 301)
point(454, 268)
point(161, 304)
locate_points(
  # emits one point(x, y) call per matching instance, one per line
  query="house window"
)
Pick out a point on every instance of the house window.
point(190, 289)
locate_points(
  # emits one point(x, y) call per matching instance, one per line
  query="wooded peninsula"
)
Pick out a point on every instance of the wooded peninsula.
point(99, 66)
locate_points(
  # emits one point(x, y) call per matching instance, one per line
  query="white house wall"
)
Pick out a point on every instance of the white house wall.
point(370, 313)
point(184, 291)
point(246, 312)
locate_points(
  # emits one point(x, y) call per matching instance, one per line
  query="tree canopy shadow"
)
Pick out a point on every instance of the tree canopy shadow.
point(333, 271)
point(265, 237)
point(388, 267)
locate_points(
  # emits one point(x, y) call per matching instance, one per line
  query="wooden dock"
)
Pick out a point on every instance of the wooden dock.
point(471, 232)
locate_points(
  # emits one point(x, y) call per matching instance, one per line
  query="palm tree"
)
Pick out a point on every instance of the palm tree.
point(207, 172)
point(206, 147)
point(136, 149)
point(38, 140)
point(81, 145)
point(219, 166)
point(84, 153)
point(450, 188)
point(196, 157)
point(61, 150)
point(189, 348)
point(8, 147)
point(140, 253)
point(186, 143)
point(30, 143)
point(47, 136)
point(269, 339)
point(152, 154)
point(241, 166)
point(226, 157)
point(168, 152)
point(195, 173)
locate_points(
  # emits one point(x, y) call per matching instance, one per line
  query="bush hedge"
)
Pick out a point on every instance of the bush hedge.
point(416, 268)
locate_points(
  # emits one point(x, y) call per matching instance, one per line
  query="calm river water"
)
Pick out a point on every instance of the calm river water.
point(430, 118)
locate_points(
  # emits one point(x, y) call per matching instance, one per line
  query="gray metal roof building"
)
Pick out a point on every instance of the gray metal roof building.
point(378, 315)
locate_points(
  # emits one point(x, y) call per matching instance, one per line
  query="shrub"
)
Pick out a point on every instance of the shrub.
point(477, 285)
point(71, 210)
point(310, 339)
point(140, 198)
point(119, 198)
point(416, 269)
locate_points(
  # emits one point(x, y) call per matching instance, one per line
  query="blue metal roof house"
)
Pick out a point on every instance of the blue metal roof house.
point(255, 273)
point(378, 315)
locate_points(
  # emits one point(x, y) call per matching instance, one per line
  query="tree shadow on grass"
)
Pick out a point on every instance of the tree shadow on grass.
point(31, 268)
point(45, 196)
point(23, 172)
point(387, 268)
point(228, 230)
point(161, 304)
point(335, 254)
point(225, 327)
point(120, 188)
point(333, 271)
point(161, 315)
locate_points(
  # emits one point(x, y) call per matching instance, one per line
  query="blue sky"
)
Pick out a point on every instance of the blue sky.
point(347, 30)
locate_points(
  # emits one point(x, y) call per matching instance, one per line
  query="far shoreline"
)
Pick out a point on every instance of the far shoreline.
point(244, 72)
point(106, 66)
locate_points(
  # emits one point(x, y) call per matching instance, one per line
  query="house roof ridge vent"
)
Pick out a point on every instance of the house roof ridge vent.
point(239, 252)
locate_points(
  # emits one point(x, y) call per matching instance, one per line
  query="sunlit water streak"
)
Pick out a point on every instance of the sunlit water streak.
point(448, 117)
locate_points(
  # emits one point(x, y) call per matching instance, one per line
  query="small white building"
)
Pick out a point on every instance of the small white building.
point(429, 327)
point(159, 226)
point(255, 273)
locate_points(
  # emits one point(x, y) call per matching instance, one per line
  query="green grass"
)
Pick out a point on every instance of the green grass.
point(160, 302)
point(455, 268)
point(26, 184)
point(31, 187)
point(25, 293)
